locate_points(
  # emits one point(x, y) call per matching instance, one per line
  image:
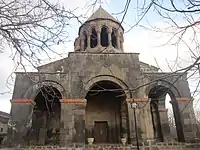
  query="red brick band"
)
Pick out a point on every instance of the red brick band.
point(183, 99)
point(73, 101)
point(23, 101)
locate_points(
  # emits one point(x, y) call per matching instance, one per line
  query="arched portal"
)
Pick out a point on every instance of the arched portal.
point(160, 116)
point(106, 112)
point(46, 116)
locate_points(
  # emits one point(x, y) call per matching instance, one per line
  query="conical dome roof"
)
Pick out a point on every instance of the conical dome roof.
point(101, 14)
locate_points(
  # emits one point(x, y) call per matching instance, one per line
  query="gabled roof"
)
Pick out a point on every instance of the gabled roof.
point(100, 13)
point(4, 114)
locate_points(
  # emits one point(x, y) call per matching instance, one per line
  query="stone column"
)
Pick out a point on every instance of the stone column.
point(109, 37)
point(72, 121)
point(124, 125)
point(147, 121)
point(98, 39)
point(79, 120)
point(98, 36)
point(121, 46)
point(139, 119)
point(118, 40)
point(19, 123)
point(163, 118)
point(121, 42)
point(143, 119)
point(131, 123)
point(164, 123)
point(88, 40)
point(189, 123)
point(156, 123)
point(82, 44)
point(67, 123)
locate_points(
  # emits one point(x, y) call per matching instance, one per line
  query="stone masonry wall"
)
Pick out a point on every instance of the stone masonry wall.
point(158, 146)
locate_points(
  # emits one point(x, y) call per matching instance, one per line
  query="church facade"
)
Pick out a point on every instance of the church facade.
point(100, 92)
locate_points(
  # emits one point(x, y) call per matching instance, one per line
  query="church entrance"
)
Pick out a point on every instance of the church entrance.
point(46, 117)
point(101, 131)
point(106, 113)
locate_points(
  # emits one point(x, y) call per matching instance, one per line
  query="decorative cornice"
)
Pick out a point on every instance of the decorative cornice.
point(73, 101)
point(23, 101)
point(131, 100)
point(183, 99)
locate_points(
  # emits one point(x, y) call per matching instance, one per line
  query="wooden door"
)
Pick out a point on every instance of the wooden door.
point(101, 131)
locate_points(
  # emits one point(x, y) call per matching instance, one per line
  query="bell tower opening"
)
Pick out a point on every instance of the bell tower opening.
point(46, 117)
point(93, 39)
point(104, 37)
point(114, 38)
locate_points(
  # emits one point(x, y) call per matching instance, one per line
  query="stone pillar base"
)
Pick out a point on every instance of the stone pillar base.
point(72, 121)
point(20, 117)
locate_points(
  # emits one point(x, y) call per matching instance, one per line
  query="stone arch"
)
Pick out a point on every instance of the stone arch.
point(33, 90)
point(165, 84)
point(93, 26)
point(86, 31)
point(157, 94)
point(121, 40)
point(104, 36)
point(113, 79)
point(112, 102)
point(46, 116)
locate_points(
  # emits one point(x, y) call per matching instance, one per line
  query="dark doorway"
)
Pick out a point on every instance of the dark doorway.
point(46, 117)
point(101, 131)
point(93, 38)
point(106, 112)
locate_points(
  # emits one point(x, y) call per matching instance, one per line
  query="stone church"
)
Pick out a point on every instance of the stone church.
point(100, 92)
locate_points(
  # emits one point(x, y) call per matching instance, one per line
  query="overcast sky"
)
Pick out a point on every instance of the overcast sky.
point(146, 42)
